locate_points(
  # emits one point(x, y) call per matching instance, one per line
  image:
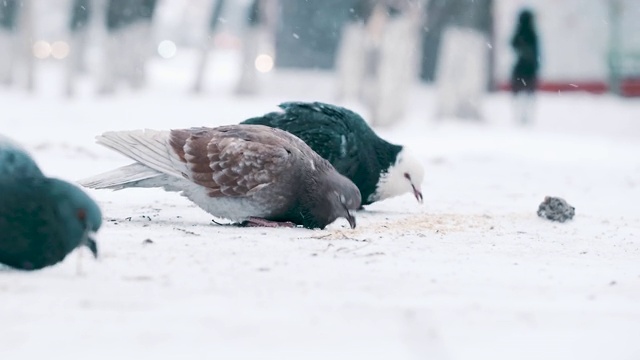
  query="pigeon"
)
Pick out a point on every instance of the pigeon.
point(15, 161)
point(250, 174)
point(42, 219)
point(381, 170)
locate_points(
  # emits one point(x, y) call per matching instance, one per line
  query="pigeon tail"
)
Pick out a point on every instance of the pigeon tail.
point(148, 147)
point(123, 177)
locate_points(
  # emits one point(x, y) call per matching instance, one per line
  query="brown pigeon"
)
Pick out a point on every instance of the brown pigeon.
point(251, 174)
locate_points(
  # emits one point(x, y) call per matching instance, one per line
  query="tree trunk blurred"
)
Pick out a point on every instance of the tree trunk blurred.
point(396, 68)
point(440, 14)
point(258, 39)
point(351, 54)
point(350, 61)
point(207, 45)
point(461, 73)
point(9, 27)
point(27, 43)
point(462, 68)
point(128, 43)
point(78, 27)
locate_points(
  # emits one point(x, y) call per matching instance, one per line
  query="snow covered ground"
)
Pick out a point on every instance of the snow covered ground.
point(471, 274)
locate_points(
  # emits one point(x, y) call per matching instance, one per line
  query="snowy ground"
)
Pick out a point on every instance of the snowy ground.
point(471, 274)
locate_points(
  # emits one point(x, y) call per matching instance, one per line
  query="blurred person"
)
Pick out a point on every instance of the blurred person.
point(524, 77)
point(258, 39)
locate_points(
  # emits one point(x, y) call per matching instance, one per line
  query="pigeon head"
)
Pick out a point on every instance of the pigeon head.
point(79, 214)
point(404, 176)
point(333, 196)
point(15, 161)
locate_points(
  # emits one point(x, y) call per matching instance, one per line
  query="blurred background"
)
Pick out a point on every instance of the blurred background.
point(503, 101)
point(370, 54)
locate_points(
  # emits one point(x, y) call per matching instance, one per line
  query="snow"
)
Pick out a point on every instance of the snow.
point(471, 274)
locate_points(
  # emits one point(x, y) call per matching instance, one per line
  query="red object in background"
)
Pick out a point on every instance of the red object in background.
point(594, 87)
point(628, 87)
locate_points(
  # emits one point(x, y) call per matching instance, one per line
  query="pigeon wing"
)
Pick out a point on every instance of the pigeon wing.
point(232, 160)
point(327, 129)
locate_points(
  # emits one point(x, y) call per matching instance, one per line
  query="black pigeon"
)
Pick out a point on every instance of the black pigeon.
point(41, 219)
point(556, 209)
point(380, 170)
point(255, 175)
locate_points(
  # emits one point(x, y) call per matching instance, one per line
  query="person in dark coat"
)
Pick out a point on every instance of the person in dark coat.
point(524, 77)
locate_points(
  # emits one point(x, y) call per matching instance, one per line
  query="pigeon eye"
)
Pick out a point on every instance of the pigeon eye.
point(81, 214)
point(342, 199)
point(407, 176)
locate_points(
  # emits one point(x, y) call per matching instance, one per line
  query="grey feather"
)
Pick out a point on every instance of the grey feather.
point(235, 172)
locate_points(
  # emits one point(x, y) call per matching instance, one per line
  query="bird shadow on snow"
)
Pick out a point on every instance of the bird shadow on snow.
point(386, 215)
point(6, 269)
point(365, 211)
point(146, 220)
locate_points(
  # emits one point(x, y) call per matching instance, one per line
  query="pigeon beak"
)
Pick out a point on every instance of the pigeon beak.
point(92, 245)
point(417, 193)
point(351, 219)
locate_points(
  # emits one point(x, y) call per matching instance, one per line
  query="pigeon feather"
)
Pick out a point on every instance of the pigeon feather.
point(236, 172)
point(380, 169)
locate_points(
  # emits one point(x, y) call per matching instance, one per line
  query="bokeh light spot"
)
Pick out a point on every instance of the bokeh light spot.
point(41, 49)
point(59, 50)
point(167, 49)
point(264, 63)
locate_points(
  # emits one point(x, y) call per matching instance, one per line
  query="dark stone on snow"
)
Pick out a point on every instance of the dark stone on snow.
point(556, 209)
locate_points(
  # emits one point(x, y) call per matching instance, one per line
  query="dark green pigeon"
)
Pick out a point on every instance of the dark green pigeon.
point(42, 219)
point(379, 169)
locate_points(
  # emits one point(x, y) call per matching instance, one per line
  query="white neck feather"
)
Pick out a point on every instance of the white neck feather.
point(394, 183)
